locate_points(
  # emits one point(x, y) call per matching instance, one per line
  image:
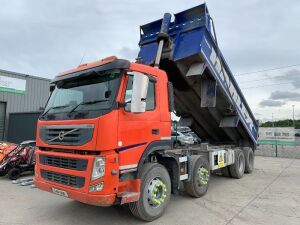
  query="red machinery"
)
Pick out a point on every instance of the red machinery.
point(5, 148)
point(19, 160)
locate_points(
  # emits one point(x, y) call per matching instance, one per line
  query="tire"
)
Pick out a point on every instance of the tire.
point(238, 168)
point(225, 172)
point(155, 180)
point(249, 160)
point(198, 184)
point(14, 173)
point(3, 173)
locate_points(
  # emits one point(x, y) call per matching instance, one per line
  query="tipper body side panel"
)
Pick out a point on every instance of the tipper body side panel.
point(207, 96)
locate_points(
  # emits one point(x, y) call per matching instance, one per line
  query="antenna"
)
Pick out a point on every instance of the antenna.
point(82, 58)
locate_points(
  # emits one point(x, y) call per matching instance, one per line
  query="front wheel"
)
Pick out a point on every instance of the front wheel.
point(3, 173)
point(155, 192)
point(14, 173)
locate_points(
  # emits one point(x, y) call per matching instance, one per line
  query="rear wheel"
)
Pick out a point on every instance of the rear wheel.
point(249, 160)
point(3, 173)
point(198, 183)
point(225, 171)
point(14, 173)
point(155, 192)
point(238, 168)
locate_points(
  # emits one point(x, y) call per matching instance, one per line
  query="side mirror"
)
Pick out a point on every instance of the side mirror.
point(139, 93)
point(52, 87)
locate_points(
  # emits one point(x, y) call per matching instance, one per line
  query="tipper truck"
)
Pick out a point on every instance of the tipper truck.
point(105, 135)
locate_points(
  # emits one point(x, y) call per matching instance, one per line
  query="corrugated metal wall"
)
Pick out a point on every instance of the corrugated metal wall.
point(36, 95)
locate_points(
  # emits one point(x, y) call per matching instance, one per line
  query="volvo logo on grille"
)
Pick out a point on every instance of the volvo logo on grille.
point(61, 135)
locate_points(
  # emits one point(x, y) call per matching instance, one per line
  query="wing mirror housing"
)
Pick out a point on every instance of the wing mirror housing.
point(139, 92)
point(51, 88)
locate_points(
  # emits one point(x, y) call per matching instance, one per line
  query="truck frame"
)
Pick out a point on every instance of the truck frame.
point(105, 135)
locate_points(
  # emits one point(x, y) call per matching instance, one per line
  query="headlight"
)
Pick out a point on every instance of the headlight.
point(97, 187)
point(99, 168)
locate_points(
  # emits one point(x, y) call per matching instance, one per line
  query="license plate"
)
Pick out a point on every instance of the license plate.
point(60, 192)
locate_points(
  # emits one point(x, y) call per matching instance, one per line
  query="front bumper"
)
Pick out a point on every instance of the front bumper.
point(91, 199)
point(80, 189)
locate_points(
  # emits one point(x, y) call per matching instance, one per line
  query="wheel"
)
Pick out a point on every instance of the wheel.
point(155, 192)
point(225, 171)
point(14, 173)
point(198, 183)
point(249, 160)
point(3, 173)
point(238, 168)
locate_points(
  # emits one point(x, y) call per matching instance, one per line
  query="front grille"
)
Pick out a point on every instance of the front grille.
point(67, 134)
point(66, 163)
point(64, 179)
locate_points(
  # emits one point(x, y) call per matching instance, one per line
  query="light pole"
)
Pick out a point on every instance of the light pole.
point(293, 115)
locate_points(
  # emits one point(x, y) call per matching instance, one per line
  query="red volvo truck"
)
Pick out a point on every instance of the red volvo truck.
point(105, 135)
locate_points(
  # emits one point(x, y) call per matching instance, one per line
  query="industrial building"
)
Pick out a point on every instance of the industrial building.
point(20, 93)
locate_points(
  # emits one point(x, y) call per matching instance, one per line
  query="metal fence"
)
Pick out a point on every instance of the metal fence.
point(278, 142)
point(284, 151)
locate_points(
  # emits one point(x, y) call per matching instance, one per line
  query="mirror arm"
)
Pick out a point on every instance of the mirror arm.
point(121, 104)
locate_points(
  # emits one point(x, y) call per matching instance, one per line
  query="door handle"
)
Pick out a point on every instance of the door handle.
point(155, 131)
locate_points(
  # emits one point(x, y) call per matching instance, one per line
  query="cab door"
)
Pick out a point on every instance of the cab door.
point(137, 130)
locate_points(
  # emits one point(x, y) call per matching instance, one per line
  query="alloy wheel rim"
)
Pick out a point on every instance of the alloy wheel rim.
point(156, 193)
point(203, 176)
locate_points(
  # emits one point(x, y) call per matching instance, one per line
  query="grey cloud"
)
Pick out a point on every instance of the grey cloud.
point(285, 95)
point(128, 53)
point(292, 76)
point(271, 103)
point(45, 37)
point(280, 98)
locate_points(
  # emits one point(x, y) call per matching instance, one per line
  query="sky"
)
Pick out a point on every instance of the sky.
point(43, 38)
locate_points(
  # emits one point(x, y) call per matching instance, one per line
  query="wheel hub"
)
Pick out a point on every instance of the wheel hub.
point(157, 192)
point(203, 176)
point(241, 164)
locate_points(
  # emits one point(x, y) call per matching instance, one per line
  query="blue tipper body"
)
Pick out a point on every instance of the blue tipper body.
point(191, 41)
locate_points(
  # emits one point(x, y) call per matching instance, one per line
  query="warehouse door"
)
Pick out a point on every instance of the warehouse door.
point(2, 119)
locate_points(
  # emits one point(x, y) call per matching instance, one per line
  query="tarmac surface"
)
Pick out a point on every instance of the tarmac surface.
point(270, 195)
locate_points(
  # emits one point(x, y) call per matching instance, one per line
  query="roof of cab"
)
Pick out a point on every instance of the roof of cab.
point(108, 63)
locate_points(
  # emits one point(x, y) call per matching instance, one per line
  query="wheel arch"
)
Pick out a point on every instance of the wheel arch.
point(169, 161)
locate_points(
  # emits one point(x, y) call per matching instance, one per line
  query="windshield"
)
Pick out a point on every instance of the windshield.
point(84, 94)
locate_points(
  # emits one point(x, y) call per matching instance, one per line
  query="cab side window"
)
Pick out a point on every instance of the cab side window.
point(150, 99)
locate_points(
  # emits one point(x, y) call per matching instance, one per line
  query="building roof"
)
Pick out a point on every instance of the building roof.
point(24, 75)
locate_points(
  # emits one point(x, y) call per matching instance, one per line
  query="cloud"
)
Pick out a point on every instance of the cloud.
point(128, 53)
point(285, 95)
point(292, 76)
point(271, 103)
point(43, 38)
point(280, 98)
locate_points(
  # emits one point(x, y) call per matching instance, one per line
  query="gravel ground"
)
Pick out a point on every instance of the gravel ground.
point(271, 195)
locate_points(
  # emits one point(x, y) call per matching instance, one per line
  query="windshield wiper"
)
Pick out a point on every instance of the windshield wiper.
point(87, 103)
point(54, 107)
